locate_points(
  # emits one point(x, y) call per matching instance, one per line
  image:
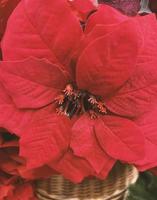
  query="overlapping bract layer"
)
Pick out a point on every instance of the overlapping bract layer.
point(114, 56)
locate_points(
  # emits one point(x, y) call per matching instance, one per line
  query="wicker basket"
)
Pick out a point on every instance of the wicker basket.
point(113, 188)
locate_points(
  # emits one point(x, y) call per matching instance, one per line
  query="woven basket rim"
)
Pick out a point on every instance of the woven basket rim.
point(59, 188)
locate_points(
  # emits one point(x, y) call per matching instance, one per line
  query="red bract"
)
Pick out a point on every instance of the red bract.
point(148, 124)
point(109, 70)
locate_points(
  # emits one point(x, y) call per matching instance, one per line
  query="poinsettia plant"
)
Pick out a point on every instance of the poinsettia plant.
point(78, 91)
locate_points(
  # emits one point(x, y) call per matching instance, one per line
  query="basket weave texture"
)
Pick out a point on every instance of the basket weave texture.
point(113, 188)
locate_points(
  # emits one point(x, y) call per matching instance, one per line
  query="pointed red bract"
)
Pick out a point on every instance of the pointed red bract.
point(32, 83)
point(45, 139)
point(147, 124)
point(105, 15)
point(97, 32)
point(112, 60)
point(120, 138)
point(139, 94)
point(105, 171)
point(72, 167)
point(84, 144)
point(44, 32)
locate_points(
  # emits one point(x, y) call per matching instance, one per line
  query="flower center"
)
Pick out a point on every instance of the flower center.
point(73, 101)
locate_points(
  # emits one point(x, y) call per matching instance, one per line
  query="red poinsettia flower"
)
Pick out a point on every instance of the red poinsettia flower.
point(106, 72)
point(128, 7)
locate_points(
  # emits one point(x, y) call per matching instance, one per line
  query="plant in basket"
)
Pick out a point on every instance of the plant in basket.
point(78, 88)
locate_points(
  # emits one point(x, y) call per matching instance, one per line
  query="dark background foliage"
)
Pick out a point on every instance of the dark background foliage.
point(128, 7)
point(145, 188)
